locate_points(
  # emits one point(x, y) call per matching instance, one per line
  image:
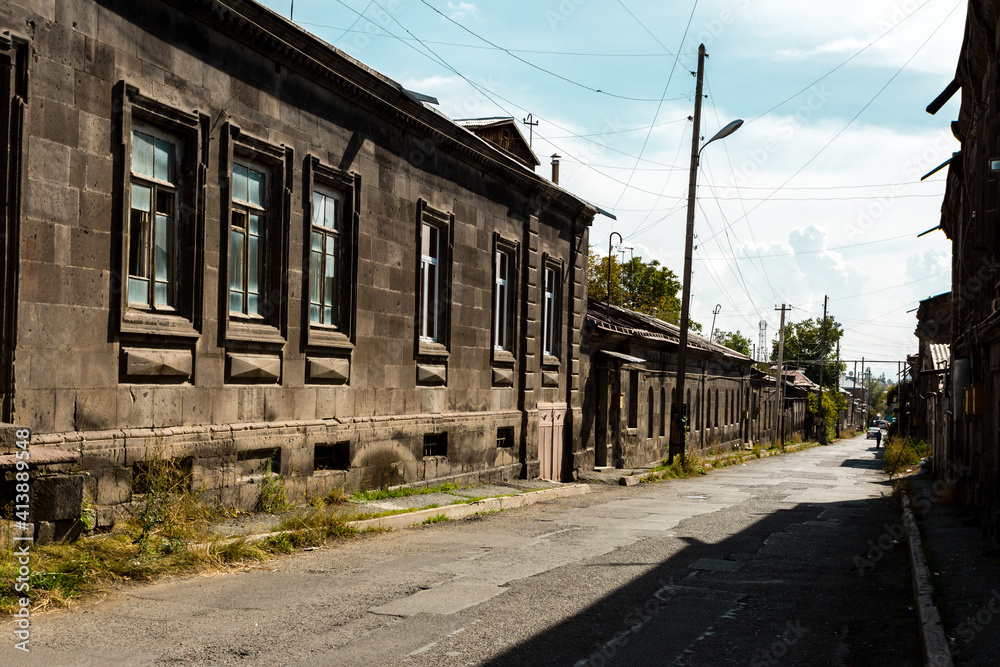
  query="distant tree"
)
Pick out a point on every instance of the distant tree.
point(734, 340)
point(805, 348)
point(646, 287)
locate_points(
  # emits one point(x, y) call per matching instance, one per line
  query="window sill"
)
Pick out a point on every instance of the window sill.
point(548, 361)
point(427, 349)
point(254, 332)
point(503, 357)
point(160, 324)
point(332, 338)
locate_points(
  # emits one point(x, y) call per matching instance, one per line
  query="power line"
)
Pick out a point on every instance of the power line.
point(861, 111)
point(585, 54)
point(538, 67)
point(663, 95)
point(858, 53)
point(807, 252)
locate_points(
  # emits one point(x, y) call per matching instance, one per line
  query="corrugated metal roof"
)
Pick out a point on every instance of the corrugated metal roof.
point(624, 357)
point(632, 323)
point(940, 355)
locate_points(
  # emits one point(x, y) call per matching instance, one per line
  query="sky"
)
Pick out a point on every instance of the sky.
point(817, 194)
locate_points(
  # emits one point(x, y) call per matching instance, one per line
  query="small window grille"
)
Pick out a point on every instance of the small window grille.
point(332, 457)
point(435, 444)
point(505, 437)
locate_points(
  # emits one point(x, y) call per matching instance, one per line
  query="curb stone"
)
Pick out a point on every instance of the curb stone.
point(932, 635)
point(464, 510)
point(459, 511)
point(632, 480)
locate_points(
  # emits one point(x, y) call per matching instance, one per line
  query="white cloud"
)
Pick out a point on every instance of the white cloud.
point(459, 10)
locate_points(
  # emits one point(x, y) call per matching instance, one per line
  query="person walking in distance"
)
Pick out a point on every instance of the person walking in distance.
point(878, 438)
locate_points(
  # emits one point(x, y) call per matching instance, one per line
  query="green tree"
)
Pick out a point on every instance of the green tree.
point(734, 340)
point(805, 348)
point(833, 404)
point(646, 287)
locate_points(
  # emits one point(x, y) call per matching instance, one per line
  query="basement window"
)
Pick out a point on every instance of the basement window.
point(332, 457)
point(258, 462)
point(505, 437)
point(435, 444)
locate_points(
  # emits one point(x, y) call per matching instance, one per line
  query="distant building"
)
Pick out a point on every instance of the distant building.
point(931, 373)
point(629, 360)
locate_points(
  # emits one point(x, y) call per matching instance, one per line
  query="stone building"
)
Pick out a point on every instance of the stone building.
point(970, 218)
point(229, 244)
point(629, 361)
point(931, 374)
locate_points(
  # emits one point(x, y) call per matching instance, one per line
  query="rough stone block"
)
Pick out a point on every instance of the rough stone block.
point(114, 486)
point(56, 497)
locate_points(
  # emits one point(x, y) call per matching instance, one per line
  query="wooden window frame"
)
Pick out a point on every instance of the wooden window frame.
point(551, 321)
point(445, 223)
point(238, 148)
point(506, 353)
point(321, 177)
point(186, 132)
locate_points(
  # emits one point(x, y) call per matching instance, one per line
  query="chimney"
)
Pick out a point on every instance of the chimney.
point(555, 168)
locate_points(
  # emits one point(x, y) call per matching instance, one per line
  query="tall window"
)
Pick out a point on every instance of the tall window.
point(325, 266)
point(152, 253)
point(708, 409)
point(502, 301)
point(649, 413)
point(430, 288)
point(633, 399)
point(663, 411)
point(715, 416)
point(246, 241)
point(549, 313)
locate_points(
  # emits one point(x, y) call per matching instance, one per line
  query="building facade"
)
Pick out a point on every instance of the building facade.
point(231, 245)
point(969, 218)
point(630, 367)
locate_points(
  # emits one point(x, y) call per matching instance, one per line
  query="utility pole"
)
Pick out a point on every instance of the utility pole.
point(715, 311)
point(677, 435)
point(779, 383)
point(821, 430)
point(854, 392)
point(864, 394)
point(677, 416)
point(608, 295)
point(837, 422)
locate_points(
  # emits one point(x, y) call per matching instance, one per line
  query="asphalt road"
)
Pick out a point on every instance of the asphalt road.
point(773, 562)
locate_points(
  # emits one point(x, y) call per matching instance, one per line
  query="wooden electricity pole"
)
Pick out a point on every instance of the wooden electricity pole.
point(779, 383)
point(821, 428)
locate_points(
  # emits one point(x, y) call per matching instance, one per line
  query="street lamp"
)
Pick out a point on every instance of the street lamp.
point(677, 434)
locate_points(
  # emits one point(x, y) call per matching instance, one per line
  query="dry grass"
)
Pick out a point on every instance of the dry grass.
point(168, 533)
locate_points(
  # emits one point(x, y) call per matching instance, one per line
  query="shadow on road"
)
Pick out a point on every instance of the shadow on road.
point(805, 585)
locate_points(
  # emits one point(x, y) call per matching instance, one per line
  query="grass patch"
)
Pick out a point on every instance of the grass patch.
point(903, 453)
point(691, 466)
point(437, 518)
point(383, 494)
point(167, 533)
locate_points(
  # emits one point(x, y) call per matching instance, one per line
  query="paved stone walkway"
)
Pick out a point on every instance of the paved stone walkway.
point(968, 568)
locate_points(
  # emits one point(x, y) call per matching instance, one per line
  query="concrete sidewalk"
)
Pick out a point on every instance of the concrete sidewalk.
point(966, 570)
point(405, 510)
